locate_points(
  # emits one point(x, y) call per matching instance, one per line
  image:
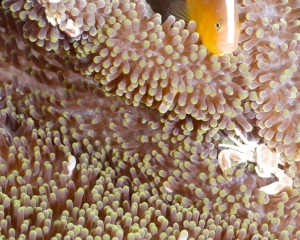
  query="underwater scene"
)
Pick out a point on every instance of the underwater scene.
point(135, 119)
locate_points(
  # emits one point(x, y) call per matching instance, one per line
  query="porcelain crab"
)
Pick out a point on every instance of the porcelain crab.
point(266, 160)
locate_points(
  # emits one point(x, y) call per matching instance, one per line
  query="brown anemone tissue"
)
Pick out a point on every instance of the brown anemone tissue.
point(110, 122)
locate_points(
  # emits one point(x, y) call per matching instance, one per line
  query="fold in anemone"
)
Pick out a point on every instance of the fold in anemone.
point(110, 122)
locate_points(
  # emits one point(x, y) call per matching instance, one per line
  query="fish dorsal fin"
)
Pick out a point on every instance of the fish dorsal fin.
point(149, 10)
point(179, 10)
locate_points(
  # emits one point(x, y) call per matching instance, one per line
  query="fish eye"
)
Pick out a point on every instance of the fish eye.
point(218, 25)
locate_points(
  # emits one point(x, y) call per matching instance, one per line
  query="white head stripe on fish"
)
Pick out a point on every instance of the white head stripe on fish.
point(230, 20)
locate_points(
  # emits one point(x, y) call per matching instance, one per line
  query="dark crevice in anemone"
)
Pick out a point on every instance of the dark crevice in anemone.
point(11, 124)
point(83, 63)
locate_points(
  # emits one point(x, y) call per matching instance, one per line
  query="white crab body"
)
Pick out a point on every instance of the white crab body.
point(266, 160)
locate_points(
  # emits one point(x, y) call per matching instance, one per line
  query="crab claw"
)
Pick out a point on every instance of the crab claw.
point(226, 156)
point(224, 160)
point(276, 187)
point(71, 30)
point(69, 166)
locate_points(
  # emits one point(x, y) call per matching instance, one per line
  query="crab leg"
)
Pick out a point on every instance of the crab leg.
point(252, 145)
point(240, 148)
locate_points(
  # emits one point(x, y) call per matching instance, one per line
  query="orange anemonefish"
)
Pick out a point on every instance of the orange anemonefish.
point(217, 22)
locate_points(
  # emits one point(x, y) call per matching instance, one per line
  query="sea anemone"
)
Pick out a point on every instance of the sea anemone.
point(113, 132)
